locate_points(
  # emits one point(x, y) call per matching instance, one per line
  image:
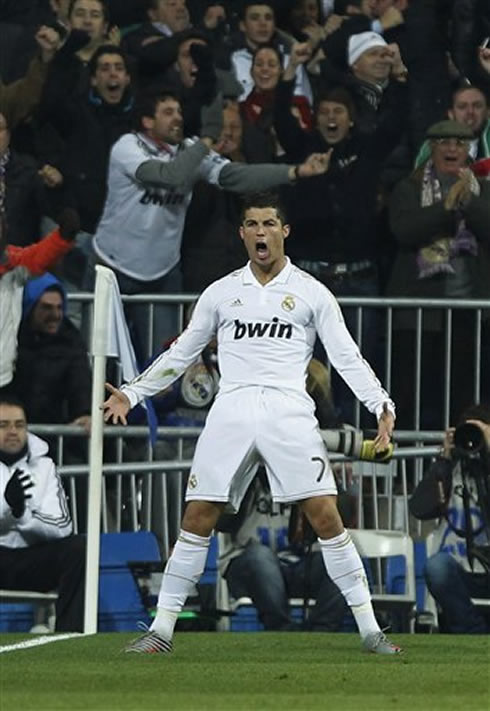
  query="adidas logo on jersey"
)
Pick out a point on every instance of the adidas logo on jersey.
point(237, 302)
point(262, 330)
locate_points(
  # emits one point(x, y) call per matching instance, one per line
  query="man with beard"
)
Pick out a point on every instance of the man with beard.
point(151, 177)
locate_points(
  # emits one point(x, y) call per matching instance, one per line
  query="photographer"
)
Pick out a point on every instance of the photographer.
point(455, 490)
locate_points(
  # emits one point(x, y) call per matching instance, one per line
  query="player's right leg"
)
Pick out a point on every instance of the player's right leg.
point(182, 572)
point(223, 465)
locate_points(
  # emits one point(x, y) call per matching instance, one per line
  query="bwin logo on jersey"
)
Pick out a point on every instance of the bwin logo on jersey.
point(262, 330)
point(155, 198)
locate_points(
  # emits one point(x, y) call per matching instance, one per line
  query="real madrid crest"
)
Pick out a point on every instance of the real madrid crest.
point(288, 303)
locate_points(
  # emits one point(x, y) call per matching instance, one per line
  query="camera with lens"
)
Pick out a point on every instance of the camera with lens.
point(469, 439)
point(351, 443)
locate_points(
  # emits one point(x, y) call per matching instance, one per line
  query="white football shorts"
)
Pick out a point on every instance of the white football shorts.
point(253, 425)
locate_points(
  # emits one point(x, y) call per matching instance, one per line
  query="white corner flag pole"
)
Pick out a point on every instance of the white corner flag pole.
point(110, 337)
point(101, 334)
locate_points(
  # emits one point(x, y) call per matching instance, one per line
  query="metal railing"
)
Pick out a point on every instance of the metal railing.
point(148, 492)
point(422, 318)
point(144, 488)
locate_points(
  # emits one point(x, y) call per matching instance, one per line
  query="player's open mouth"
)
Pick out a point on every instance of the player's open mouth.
point(261, 249)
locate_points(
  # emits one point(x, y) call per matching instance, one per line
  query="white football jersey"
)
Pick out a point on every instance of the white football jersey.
point(140, 231)
point(265, 336)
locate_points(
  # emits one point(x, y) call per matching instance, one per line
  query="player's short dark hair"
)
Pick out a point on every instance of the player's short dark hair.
point(263, 199)
point(248, 3)
point(11, 400)
point(477, 411)
point(147, 102)
point(102, 3)
point(106, 49)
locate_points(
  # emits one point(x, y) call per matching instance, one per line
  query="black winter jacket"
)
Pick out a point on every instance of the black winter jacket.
point(90, 127)
point(25, 199)
point(333, 215)
point(53, 376)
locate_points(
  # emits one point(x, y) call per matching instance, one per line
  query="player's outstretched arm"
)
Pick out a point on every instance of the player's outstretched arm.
point(116, 407)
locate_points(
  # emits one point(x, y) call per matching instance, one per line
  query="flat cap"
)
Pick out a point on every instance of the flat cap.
point(449, 129)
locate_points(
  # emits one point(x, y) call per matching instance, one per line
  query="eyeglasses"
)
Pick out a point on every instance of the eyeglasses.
point(459, 142)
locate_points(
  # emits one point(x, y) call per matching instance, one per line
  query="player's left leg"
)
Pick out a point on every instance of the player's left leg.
point(345, 567)
point(298, 470)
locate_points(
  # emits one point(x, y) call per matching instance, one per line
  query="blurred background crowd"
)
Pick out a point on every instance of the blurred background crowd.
point(397, 89)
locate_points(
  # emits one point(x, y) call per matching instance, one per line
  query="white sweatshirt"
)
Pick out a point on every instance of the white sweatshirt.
point(46, 516)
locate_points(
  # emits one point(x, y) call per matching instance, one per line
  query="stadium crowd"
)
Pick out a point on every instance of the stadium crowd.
point(148, 118)
point(395, 91)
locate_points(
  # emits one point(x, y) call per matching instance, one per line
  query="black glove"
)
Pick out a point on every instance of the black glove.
point(16, 492)
point(69, 222)
point(212, 118)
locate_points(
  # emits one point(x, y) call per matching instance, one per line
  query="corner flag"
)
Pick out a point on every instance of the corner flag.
point(110, 337)
point(116, 341)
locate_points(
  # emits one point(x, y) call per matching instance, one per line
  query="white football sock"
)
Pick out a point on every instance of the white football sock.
point(345, 567)
point(183, 570)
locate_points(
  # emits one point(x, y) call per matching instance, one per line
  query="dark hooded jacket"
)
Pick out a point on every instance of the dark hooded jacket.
point(53, 376)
